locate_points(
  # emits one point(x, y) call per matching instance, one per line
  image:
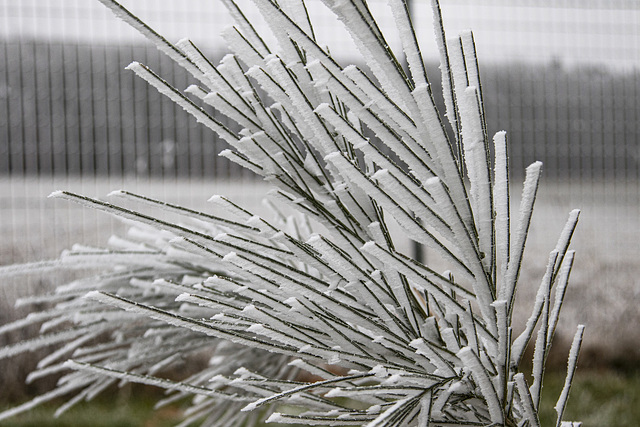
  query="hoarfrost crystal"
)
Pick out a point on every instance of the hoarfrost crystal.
point(319, 310)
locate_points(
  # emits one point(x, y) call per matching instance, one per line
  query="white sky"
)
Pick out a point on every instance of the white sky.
point(573, 31)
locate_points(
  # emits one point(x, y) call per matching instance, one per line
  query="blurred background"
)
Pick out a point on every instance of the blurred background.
point(562, 77)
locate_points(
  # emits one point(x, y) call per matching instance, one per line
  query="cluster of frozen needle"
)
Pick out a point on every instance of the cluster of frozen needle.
point(386, 340)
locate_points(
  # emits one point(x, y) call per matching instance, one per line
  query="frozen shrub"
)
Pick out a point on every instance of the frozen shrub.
point(388, 340)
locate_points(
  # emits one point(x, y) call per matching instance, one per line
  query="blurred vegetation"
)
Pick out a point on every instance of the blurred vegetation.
point(115, 409)
point(598, 398)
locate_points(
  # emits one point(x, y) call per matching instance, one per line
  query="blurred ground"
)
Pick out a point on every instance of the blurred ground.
point(604, 289)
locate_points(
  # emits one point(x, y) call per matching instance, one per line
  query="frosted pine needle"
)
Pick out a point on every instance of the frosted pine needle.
point(318, 310)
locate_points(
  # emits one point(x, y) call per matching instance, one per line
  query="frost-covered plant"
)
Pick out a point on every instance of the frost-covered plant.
point(382, 339)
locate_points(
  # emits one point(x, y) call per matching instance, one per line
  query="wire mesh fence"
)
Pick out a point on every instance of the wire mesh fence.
point(69, 108)
point(73, 110)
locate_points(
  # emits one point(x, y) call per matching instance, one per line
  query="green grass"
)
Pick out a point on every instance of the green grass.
point(597, 398)
point(111, 410)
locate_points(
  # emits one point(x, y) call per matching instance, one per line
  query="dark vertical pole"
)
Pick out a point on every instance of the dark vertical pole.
point(92, 115)
point(36, 117)
point(5, 149)
point(417, 248)
point(66, 140)
point(119, 118)
point(80, 113)
point(108, 145)
point(61, 116)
